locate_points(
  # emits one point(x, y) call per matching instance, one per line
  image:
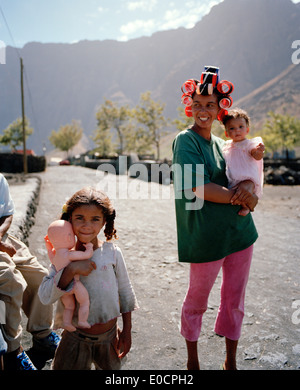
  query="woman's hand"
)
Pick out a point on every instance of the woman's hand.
point(244, 195)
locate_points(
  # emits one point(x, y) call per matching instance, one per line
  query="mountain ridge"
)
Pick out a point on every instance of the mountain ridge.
point(281, 95)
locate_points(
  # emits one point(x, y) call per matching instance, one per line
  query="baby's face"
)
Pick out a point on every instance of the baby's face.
point(237, 129)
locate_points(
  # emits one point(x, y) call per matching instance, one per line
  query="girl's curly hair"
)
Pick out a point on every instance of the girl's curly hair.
point(92, 196)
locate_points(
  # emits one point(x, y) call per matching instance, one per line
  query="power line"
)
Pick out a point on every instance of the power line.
point(9, 32)
point(24, 68)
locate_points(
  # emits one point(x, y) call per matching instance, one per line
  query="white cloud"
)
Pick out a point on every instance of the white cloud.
point(192, 13)
point(144, 26)
point(142, 4)
point(187, 15)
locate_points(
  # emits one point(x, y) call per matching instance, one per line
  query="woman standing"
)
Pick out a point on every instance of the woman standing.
point(213, 236)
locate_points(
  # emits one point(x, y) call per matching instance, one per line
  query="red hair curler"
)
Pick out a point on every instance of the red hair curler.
point(225, 87)
point(189, 87)
point(222, 115)
point(186, 99)
point(205, 89)
point(213, 69)
point(225, 103)
point(209, 78)
point(188, 111)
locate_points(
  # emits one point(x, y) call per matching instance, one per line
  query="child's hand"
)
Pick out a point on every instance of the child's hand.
point(258, 151)
point(124, 343)
point(80, 267)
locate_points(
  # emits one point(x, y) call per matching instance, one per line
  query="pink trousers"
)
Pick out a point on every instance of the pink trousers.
point(229, 320)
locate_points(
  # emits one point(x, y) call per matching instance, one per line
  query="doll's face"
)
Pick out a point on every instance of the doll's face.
point(61, 235)
point(87, 222)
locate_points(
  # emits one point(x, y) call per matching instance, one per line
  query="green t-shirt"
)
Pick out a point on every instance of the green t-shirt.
point(206, 231)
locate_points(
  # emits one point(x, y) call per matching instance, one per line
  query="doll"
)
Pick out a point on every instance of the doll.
point(59, 242)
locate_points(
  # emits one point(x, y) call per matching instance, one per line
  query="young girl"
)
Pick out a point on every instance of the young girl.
point(106, 279)
point(244, 157)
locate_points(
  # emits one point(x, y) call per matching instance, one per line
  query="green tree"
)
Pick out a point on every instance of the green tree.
point(13, 134)
point(149, 114)
point(102, 139)
point(136, 137)
point(183, 122)
point(281, 132)
point(67, 136)
point(111, 117)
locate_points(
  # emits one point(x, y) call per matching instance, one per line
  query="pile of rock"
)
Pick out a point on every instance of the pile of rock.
point(281, 175)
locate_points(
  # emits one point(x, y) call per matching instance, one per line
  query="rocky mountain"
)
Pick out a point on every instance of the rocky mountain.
point(281, 94)
point(249, 39)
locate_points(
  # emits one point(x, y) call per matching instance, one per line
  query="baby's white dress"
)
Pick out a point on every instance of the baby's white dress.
point(240, 165)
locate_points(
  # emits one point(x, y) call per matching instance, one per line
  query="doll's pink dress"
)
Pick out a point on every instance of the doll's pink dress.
point(240, 165)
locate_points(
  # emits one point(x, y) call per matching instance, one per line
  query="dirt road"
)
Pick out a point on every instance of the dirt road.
point(147, 237)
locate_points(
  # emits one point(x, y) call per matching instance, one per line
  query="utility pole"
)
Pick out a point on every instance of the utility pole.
point(23, 122)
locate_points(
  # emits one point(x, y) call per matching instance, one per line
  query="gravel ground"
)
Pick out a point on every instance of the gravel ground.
point(147, 237)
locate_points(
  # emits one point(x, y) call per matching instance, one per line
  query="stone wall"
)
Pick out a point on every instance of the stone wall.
point(282, 172)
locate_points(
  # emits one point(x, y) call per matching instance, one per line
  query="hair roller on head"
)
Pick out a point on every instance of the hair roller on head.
point(186, 99)
point(205, 89)
point(225, 87)
point(225, 103)
point(213, 69)
point(209, 78)
point(208, 85)
point(222, 115)
point(189, 87)
point(188, 111)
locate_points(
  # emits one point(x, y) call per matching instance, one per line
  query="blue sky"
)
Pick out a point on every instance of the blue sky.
point(70, 21)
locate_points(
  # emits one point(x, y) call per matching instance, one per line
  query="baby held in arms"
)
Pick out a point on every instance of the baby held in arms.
point(243, 156)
